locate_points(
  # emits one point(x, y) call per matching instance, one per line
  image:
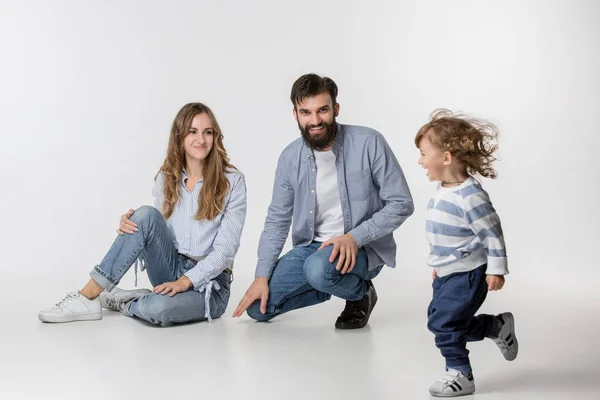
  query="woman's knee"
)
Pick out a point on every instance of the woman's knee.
point(146, 218)
point(145, 213)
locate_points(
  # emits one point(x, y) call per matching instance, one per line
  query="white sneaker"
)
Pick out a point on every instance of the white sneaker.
point(73, 307)
point(117, 298)
point(507, 340)
point(453, 384)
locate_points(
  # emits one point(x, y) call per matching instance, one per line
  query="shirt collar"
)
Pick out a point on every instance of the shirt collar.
point(184, 176)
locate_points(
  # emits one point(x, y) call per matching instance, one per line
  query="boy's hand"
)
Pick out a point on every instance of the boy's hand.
point(433, 275)
point(495, 282)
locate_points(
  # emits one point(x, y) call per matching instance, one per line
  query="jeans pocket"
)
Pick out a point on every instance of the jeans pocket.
point(472, 277)
point(475, 276)
point(219, 301)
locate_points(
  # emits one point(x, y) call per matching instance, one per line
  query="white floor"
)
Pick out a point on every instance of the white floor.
point(300, 355)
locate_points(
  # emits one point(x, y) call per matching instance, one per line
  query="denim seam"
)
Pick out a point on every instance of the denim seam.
point(468, 299)
point(135, 254)
point(161, 240)
point(341, 288)
point(104, 275)
point(459, 366)
point(213, 314)
point(131, 259)
point(288, 293)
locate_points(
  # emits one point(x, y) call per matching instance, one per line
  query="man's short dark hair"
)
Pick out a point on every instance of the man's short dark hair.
point(311, 85)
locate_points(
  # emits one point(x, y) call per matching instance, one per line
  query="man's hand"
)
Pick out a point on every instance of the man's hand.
point(433, 275)
point(182, 284)
point(345, 246)
point(258, 290)
point(495, 282)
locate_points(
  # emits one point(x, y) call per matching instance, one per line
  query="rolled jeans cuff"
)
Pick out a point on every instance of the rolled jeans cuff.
point(103, 279)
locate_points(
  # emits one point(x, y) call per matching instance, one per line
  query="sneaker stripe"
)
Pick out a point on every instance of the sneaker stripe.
point(458, 386)
point(453, 388)
point(508, 337)
point(510, 343)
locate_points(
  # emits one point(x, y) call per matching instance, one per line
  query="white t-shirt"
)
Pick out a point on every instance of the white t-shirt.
point(329, 221)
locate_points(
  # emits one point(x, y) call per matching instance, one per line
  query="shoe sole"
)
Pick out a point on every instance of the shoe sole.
point(104, 304)
point(71, 318)
point(510, 318)
point(343, 326)
point(464, 392)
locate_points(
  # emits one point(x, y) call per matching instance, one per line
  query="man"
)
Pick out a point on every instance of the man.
point(345, 193)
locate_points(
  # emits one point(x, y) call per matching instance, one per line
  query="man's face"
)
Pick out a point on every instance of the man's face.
point(316, 120)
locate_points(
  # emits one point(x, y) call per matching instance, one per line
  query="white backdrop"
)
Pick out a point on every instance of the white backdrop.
point(88, 91)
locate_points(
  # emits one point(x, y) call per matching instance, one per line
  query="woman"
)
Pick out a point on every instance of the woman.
point(187, 241)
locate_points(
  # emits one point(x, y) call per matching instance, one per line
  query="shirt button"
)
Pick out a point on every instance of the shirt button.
point(312, 191)
point(313, 170)
point(311, 211)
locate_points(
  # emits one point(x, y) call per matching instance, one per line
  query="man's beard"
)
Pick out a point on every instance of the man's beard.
point(321, 141)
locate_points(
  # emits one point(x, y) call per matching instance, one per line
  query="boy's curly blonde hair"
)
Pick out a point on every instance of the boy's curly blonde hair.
point(472, 141)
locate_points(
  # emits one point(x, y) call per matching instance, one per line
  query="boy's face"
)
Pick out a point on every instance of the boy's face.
point(432, 159)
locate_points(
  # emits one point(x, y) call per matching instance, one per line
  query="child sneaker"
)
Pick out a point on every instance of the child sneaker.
point(73, 307)
point(507, 340)
point(117, 298)
point(453, 384)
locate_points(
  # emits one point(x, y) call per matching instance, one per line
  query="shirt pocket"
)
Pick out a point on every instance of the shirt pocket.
point(359, 185)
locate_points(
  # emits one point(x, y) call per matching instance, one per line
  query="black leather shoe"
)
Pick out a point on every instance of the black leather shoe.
point(356, 314)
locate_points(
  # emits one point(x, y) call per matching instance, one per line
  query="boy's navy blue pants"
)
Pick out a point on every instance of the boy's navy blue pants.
point(451, 313)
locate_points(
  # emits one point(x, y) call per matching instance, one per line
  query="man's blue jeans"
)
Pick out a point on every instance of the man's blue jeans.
point(304, 277)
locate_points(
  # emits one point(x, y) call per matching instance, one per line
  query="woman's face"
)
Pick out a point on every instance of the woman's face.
point(199, 141)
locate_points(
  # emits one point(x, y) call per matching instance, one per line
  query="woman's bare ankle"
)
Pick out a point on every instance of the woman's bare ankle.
point(91, 290)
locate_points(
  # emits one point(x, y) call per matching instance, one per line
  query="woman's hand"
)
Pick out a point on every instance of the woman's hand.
point(126, 225)
point(182, 284)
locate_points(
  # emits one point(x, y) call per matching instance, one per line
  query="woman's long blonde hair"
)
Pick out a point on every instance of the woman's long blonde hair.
point(216, 164)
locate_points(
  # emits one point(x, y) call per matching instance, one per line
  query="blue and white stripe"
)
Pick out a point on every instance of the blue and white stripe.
point(214, 243)
point(464, 231)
